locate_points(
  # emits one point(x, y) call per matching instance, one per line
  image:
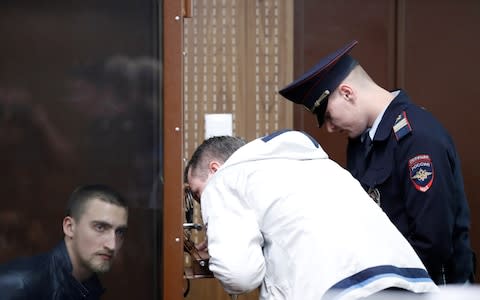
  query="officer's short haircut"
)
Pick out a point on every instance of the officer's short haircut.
point(83, 194)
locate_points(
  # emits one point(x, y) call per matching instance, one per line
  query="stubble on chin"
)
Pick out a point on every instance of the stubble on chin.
point(99, 266)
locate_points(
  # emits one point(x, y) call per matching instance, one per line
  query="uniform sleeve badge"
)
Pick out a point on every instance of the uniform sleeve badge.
point(421, 172)
point(401, 127)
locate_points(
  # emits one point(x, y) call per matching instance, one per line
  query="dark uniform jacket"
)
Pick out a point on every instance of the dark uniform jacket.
point(412, 170)
point(45, 277)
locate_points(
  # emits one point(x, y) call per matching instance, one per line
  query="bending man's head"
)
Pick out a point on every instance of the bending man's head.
point(206, 160)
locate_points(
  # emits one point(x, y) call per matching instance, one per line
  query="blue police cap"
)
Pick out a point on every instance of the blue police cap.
point(313, 87)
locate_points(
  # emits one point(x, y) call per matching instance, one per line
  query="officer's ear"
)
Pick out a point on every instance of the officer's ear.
point(69, 226)
point(346, 92)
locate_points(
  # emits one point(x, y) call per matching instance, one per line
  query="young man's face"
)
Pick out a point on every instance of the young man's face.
point(96, 237)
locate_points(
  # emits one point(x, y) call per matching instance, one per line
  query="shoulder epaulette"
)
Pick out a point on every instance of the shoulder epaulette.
point(401, 127)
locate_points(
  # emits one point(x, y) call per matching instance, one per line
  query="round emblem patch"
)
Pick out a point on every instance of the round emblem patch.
point(421, 172)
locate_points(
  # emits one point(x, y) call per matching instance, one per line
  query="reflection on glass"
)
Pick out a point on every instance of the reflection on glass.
point(80, 103)
point(115, 99)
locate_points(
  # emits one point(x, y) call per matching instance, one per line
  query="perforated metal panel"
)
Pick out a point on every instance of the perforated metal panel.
point(238, 54)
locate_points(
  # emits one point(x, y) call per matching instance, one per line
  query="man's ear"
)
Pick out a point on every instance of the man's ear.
point(346, 92)
point(213, 166)
point(69, 226)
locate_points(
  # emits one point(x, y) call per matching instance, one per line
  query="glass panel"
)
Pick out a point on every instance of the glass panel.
point(80, 103)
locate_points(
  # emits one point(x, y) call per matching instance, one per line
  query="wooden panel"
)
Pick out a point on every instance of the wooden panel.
point(440, 73)
point(173, 178)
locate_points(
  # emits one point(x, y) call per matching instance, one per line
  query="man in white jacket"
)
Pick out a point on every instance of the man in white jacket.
point(279, 213)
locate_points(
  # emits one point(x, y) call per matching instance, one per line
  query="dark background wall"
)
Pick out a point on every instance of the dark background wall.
point(79, 103)
point(429, 48)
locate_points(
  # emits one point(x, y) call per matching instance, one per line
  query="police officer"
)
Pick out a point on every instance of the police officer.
point(403, 157)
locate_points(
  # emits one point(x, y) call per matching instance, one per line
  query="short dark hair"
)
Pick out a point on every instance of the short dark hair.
point(84, 193)
point(217, 147)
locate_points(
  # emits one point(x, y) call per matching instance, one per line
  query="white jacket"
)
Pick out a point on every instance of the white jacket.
point(281, 214)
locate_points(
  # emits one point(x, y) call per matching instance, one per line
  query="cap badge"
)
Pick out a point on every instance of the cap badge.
point(319, 100)
point(421, 172)
point(401, 127)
